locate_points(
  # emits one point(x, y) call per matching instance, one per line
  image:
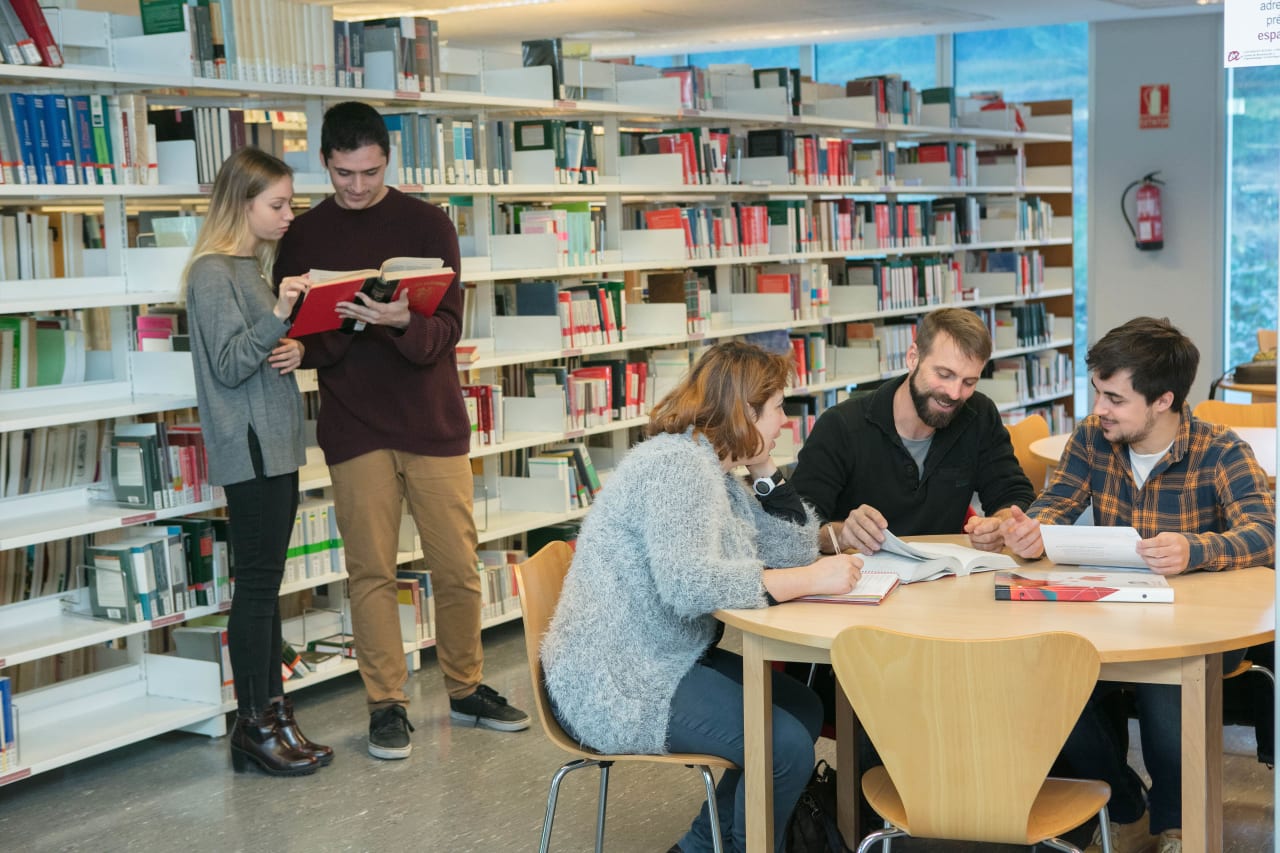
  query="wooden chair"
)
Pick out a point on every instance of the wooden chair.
point(968, 730)
point(1025, 431)
point(1236, 414)
point(1266, 339)
point(541, 578)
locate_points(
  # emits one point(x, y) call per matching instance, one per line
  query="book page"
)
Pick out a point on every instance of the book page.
point(1072, 545)
point(970, 559)
point(907, 569)
point(403, 265)
point(870, 589)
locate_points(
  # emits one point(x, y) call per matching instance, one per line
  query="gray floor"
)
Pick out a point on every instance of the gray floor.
point(462, 789)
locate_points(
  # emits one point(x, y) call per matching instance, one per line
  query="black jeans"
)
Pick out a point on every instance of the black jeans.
point(262, 511)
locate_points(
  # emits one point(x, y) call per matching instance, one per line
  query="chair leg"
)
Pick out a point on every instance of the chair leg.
point(709, 782)
point(1059, 844)
point(1271, 676)
point(553, 794)
point(604, 797)
point(879, 835)
point(887, 844)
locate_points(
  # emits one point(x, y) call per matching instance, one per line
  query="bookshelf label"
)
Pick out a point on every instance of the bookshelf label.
point(171, 619)
point(574, 434)
point(129, 520)
point(16, 776)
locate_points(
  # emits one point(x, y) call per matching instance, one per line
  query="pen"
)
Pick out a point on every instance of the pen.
point(835, 543)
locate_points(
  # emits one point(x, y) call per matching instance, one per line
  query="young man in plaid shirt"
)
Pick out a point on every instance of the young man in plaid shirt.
point(1199, 500)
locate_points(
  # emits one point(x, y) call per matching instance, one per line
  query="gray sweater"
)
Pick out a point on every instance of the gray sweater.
point(670, 539)
point(232, 333)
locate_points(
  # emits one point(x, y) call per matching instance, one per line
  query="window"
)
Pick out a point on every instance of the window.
point(914, 57)
point(1040, 64)
point(762, 57)
point(1252, 185)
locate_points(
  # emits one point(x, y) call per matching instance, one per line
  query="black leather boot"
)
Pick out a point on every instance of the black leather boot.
point(258, 740)
point(287, 726)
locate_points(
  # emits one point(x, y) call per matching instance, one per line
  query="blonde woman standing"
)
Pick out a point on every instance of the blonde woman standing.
point(251, 413)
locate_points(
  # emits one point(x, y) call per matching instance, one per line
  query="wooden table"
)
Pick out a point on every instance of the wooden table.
point(1258, 393)
point(1177, 643)
point(1261, 439)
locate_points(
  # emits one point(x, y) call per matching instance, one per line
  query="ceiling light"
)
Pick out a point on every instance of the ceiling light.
point(477, 7)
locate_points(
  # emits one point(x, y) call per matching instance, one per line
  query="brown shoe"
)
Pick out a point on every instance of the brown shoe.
point(287, 725)
point(257, 740)
point(1125, 838)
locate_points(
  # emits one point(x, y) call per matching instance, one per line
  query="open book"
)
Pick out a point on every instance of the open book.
point(1038, 585)
point(926, 561)
point(426, 279)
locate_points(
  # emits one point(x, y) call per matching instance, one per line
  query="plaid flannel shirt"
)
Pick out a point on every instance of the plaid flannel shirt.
point(1208, 486)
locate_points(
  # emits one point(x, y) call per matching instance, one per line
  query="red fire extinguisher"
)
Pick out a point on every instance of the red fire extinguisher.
point(1150, 232)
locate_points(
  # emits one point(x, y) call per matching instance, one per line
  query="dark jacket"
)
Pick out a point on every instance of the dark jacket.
point(854, 456)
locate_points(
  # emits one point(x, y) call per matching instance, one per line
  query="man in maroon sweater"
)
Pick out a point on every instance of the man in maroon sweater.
point(393, 427)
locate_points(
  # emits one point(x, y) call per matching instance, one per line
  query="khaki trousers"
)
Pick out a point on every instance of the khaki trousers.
point(367, 493)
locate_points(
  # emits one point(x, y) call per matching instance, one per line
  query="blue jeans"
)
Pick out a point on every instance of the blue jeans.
point(1095, 750)
point(706, 717)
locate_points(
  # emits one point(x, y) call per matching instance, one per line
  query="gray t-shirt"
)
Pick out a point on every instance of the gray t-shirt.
point(919, 449)
point(232, 332)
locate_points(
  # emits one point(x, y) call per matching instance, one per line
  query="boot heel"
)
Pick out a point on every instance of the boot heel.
point(239, 762)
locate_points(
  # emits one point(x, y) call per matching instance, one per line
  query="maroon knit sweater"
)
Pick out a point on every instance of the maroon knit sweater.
point(383, 389)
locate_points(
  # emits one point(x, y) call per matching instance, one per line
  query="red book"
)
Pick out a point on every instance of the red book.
point(37, 27)
point(773, 283)
point(424, 279)
point(666, 217)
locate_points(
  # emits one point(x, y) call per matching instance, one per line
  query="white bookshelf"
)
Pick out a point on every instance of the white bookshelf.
point(147, 694)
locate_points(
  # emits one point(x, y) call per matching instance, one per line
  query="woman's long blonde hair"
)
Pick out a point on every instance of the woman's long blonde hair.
point(244, 176)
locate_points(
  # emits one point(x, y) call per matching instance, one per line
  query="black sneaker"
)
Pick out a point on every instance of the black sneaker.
point(389, 729)
point(486, 708)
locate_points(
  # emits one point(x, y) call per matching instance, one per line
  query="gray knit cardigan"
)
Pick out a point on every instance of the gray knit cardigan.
point(670, 539)
point(229, 307)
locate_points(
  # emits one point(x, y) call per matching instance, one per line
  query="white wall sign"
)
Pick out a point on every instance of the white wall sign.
point(1251, 33)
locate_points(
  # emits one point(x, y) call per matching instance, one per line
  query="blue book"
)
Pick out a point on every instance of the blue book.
point(45, 171)
point(22, 123)
point(56, 115)
point(86, 154)
point(1004, 262)
point(8, 736)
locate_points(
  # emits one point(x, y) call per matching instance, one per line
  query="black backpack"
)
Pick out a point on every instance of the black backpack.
point(812, 827)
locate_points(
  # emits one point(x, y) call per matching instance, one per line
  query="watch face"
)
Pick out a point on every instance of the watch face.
point(763, 486)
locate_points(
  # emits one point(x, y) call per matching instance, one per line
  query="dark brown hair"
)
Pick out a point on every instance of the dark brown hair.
point(1159, 358)
point(961, 325)
point(730, 383)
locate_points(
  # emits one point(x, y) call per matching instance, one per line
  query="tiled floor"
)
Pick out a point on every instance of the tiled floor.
point(462, 789)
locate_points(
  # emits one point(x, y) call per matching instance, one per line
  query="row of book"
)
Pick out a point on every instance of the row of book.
point(42, 569)
point(148, 572)
point(41, 350)
point(570, 465)
point(47, 458)
point(208, 643)
point(158, 466)
point(499, 593)
point(1018, 379)
point(919, 281)
point(1057, 415)
point(25, 38)
point(315, 545)
point(591, 312)
point(1028, 324)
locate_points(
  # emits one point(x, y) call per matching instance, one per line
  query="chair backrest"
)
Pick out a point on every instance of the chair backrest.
point(1236, 414)
point(968, 729)
point(1025, 431)
point(540, 580)
point(1266, 339)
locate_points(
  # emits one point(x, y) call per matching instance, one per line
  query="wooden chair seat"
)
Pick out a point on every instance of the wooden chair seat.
point(1061, 805)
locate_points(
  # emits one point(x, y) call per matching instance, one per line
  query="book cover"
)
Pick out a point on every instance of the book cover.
point(424, 279)
point(1082, 586)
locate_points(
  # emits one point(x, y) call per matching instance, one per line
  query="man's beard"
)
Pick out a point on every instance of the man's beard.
point(931, 418)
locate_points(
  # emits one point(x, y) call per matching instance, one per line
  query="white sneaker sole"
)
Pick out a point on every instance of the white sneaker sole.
point(390, 753)
point(487, 723)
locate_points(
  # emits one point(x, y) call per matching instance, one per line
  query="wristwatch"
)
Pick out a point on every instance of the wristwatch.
point(764, 486)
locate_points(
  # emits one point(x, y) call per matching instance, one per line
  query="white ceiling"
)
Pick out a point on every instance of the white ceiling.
point(625, 27)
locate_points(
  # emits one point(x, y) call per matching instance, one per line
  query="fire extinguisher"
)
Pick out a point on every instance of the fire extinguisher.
point(1150, 232)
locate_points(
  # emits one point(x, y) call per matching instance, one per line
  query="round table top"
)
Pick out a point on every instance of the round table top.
point(1261, 439)
point(1212, 612)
